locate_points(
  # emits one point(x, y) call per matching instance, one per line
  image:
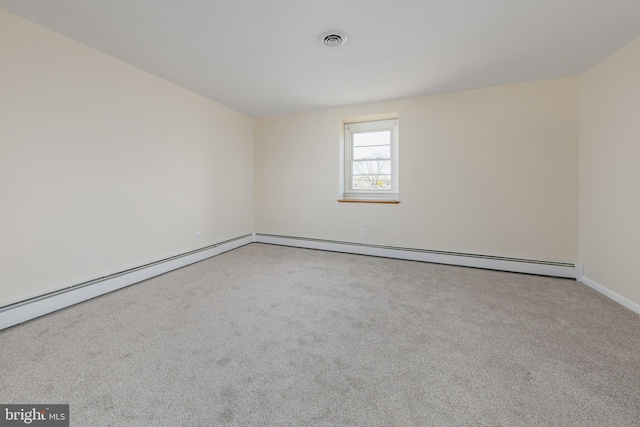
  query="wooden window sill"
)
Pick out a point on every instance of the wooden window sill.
point(387, 202)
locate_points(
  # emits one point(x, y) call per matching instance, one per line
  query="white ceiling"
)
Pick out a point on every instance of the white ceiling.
point(262, 57)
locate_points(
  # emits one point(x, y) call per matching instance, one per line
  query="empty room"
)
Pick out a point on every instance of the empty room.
point(338, 213)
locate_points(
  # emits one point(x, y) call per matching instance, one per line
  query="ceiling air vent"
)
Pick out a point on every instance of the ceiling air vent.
point(333, 38)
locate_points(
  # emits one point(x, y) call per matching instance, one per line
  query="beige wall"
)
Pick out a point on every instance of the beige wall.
point(105, 167)
point(490, 171)
point(610, 172)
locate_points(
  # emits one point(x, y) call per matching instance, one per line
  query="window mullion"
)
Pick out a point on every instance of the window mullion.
point(377, 159)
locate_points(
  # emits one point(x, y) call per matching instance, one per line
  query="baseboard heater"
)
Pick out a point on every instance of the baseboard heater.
point(22, 311)
point(516, 265)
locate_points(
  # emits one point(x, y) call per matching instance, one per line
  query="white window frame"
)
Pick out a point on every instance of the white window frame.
point(350, 129)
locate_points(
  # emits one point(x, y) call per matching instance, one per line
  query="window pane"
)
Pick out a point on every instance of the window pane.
point(377, 152)
point(372, 174)
point(372, 138)
point(372, 167)
point(381, 182)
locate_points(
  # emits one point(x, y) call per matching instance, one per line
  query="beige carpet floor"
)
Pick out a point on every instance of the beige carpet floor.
point(267, 335)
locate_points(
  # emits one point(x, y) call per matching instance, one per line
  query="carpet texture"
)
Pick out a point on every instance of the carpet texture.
point(268, 335)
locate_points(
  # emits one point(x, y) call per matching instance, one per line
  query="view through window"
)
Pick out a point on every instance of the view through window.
point(372, 160)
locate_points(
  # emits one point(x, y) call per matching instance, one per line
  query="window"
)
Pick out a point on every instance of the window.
point(371, 161)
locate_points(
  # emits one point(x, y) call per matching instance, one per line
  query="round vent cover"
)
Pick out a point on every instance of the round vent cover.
point(333, 38)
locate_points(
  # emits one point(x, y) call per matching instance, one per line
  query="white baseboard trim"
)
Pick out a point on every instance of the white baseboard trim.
point(579, 271)
point(611, 295)
point(35, 307)
point(543, 268)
